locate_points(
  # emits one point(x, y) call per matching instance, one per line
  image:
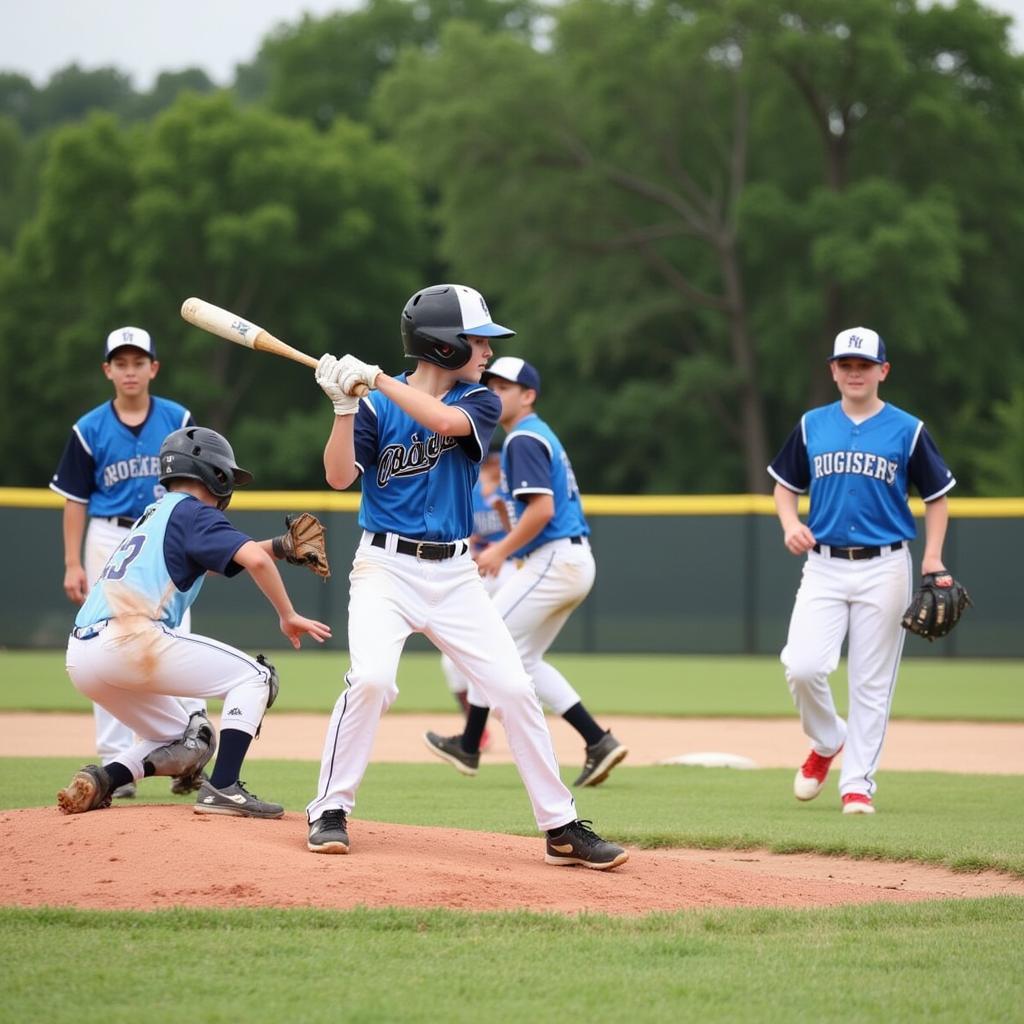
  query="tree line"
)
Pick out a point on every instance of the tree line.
point(676, 204)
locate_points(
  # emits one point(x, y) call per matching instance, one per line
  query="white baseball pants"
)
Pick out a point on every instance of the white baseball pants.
point(535, 604)
point(393, 595)
point(865, 600)
point(137, 670)
point(456, 681)
point(102, 538)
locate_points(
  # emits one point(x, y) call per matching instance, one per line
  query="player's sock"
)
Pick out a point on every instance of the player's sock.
point(118, 774)
point(579, 718)
point(476, 722)
point(234, 745)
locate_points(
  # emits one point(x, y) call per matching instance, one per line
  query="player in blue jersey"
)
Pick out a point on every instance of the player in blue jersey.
point(128, 654)
point(551, 535)
point(490, 524)
point(418, 439)
point(857, 458)
point(107, 475)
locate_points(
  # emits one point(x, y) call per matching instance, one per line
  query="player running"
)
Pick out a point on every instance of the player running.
point(551, 535)
point(857, 457)
point(108, 475)
point(418, 440)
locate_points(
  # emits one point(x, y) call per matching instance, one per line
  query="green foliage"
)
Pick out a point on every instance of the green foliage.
point(316, 236)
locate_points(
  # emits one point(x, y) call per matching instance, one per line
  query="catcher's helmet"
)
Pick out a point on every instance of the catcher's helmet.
point(204, 455)
point(437, 320)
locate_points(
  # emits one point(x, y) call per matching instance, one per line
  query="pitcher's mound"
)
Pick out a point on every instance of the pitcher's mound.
point(150, 857)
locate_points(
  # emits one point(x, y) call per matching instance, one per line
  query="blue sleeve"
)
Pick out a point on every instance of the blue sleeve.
point(926, 469)
point(75, 472)
point(483, 407)
point(791, 467)
point(527, 466)
point(365, 436)
point(200, 539)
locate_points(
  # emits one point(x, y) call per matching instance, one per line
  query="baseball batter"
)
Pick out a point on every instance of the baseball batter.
point(108, 475)
point(418, 440)
point(127, 652)
point(551, 535)
point(857, 458)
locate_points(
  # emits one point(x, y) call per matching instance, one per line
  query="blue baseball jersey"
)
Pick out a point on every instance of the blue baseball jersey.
point(114, 468)
point(159, 568)
point(858, 474)
point(416, 483)
point(488, 527)
point(533, 461)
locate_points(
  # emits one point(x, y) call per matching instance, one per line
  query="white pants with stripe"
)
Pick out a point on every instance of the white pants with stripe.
point(863, 600)
point(137, 670)
point(102, 538)
point(393, 595)
point(536, 603)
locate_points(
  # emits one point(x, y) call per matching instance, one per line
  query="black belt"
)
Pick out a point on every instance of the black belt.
point(426, 549)
point(576, 540)
point(125, 522)
point(857, 554)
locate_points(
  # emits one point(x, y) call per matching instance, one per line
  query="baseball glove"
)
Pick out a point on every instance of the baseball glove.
point(305, 543)
point(936, 606)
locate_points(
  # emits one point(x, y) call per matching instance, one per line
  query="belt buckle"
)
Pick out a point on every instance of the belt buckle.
point(850, 554)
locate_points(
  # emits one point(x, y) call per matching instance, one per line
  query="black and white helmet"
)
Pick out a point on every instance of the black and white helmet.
point(204, 455)
point(437, 321)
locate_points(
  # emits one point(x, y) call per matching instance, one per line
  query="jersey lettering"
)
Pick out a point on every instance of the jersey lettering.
point(857, 464)
point(397, 460)
point(131, 469)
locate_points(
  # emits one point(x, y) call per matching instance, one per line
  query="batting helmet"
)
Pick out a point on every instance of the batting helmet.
point(199, 453)
point(437, 321)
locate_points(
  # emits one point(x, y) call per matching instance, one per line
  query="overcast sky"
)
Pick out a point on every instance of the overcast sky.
point(145, 37)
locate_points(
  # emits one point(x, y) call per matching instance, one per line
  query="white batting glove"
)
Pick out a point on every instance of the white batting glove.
point(327, 371)
point(358, 372)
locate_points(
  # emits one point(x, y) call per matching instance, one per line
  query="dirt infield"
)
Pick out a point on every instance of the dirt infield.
point(131, 858)
point(770, 743)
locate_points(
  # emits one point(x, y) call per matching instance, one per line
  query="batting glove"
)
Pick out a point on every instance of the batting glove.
point(327, 371)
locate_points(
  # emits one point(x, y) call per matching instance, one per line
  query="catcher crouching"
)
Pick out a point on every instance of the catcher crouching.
point(126, 654)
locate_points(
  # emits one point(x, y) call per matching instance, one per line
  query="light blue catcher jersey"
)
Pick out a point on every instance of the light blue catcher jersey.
point(159, 568)
point(858, 474)
point(113, 467)
point(416, 483)
point(533, 461)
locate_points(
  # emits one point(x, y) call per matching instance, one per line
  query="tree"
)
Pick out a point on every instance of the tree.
point(316, 236)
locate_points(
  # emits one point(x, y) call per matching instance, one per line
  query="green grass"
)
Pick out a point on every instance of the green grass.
point(936, 962)
point(928, 688)
point(960, 821)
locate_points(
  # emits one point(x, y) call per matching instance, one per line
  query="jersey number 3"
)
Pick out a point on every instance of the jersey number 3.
point(123, 557)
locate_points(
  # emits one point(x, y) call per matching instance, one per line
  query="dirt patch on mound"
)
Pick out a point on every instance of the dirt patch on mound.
point(148, 858)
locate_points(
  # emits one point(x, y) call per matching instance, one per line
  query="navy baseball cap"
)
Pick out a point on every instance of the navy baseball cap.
point(859, 343)
point(129, 337)
point(512, 368)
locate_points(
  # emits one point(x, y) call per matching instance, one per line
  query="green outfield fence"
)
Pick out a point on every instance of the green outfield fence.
point(700, 574)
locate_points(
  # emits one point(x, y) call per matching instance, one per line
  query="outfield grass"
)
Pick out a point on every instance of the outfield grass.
point(936, 962)
point(652, 807)
point(610, 684)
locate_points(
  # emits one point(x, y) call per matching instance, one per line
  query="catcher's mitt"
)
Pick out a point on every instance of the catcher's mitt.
point(936, 606)
point(305, 543)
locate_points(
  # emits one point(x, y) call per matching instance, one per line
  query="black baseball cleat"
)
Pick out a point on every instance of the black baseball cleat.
point(601, 758)
point(88, 790)
point(578, 843)
point(449, 748)
point(329, 833)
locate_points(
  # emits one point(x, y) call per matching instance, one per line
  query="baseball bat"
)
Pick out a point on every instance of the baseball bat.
point(232, 327)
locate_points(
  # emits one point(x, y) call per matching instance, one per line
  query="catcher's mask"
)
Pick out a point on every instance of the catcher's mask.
point(438, 320)
point(204, 455)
